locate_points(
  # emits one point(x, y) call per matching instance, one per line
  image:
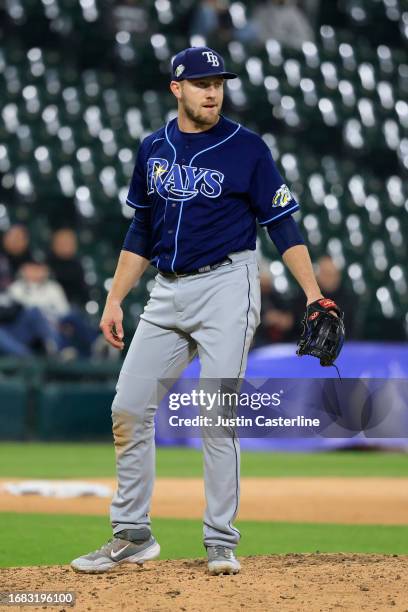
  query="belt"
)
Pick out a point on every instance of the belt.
point(194, 272)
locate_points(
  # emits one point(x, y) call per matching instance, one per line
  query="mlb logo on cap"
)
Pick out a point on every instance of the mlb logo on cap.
point(197, 62)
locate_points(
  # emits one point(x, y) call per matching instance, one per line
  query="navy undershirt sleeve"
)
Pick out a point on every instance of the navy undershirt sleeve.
point(285, 234)
point(138, 237)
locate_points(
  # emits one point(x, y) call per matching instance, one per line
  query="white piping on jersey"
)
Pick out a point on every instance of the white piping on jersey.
point(174, 161)
point(157, 140)
point(213, 146)
point(175, 240)
point(137, 205)
point(280, 215)
point(191, 161)
point(170, 143)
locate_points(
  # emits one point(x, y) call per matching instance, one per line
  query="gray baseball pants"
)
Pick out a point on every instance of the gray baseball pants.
point(214, 314)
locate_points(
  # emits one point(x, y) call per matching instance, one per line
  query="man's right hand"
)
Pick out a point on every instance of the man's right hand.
point(111, 324)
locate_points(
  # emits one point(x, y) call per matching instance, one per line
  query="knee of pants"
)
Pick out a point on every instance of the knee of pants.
point(129, 429)
point(137, 414)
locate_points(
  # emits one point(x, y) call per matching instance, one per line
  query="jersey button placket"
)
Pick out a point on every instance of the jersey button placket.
point(169, 231)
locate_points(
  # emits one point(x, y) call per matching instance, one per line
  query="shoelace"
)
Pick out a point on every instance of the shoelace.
point(223, 551)
point(101, 548)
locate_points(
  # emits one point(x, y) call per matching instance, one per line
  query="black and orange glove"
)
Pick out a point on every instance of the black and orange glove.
point(323, 333)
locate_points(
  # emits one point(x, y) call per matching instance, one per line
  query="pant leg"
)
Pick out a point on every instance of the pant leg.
point(78, 332)
point(223, 343)
point(9, 345)
point(154, 353)
point(32, 325)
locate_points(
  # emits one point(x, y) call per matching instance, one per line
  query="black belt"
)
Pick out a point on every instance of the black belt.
point(194, 272)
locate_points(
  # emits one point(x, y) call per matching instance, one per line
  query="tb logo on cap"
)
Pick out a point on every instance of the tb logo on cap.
point(211, 58)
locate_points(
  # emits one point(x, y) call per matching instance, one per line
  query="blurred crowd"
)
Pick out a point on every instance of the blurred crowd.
point(282, 313)
point(285, 21)
point(290, 22)
point(42, 299)
point(43, 296)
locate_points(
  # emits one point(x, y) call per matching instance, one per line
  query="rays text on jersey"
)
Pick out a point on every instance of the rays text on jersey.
point(182, 182)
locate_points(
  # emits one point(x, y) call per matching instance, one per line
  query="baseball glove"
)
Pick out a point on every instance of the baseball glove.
point(323, 333)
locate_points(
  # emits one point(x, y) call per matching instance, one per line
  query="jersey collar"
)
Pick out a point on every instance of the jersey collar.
point(220, 130)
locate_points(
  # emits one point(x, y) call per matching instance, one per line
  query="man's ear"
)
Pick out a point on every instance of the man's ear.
point(175, 88)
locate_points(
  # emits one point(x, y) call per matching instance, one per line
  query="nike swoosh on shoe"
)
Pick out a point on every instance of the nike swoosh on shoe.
point(116, 555)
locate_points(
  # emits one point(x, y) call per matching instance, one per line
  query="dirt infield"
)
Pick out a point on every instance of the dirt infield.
point(314, 500)
point(288, 583)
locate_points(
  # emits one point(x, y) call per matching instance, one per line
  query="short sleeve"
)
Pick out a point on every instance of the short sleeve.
point(137, 196)
point(271, 198)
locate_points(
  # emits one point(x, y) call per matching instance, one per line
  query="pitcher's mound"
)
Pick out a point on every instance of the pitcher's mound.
point(312, 582)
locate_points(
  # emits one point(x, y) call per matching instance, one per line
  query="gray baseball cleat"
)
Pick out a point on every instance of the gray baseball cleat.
point(221, 560)
point(114, 552)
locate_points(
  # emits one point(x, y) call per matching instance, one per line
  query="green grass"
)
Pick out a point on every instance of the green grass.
point(64, 460)
point(46, 539)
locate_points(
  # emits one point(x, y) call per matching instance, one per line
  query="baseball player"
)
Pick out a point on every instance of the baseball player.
point(200, 185)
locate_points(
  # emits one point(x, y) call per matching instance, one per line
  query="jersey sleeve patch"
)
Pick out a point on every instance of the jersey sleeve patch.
point(270, 196)
point(282, 197)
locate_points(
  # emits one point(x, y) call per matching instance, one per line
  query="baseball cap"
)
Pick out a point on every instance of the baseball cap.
point(196, 62)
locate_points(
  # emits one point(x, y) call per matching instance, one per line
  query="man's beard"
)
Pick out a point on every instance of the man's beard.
point(197, 118)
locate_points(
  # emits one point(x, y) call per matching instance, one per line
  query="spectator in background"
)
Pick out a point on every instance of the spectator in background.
point(23, 331)
point(5, 273)
point(311, 9)
point(34, 288)
point(329, 278)
point(16, 247)
point(330, 281)
point(281, 20)
point(277, 317)
point(282, 316)
point(66, 266)
point(128, 17)
point(212, 17)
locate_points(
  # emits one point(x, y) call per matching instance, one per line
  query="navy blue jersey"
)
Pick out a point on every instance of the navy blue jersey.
point(197, 196)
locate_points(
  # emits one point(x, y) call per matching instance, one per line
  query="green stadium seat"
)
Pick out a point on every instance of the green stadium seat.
point(13, 417)
point(75, 411)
